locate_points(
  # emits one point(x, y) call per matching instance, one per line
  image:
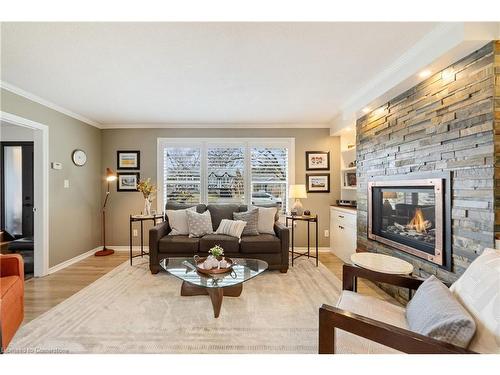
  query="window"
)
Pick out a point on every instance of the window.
point(182, 172)
point(244, 171)
point(225, 168)
point(269, 175)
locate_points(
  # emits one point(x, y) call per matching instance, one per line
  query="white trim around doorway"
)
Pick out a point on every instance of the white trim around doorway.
point(41, 190)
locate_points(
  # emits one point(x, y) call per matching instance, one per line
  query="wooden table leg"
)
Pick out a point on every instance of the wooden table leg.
point(216, 294)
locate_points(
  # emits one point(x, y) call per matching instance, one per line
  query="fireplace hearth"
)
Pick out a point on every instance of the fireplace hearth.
point(411, 215)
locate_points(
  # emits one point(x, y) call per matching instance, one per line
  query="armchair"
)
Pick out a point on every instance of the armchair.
point(366, 334)
point(12, 296)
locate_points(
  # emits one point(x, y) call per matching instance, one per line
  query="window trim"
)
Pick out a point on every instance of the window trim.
point(247, 143)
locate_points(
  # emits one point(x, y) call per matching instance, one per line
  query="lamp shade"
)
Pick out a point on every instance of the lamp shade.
point(297, 191)
point(110, 175)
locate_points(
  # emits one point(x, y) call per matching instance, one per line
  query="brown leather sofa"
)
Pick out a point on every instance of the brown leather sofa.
point(271, 248)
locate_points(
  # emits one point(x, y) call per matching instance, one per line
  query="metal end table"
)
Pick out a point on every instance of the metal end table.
point(142, 218)
point(309, 220)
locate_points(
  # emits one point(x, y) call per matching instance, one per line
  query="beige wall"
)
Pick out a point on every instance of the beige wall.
point(123, 204)
point(74, 212)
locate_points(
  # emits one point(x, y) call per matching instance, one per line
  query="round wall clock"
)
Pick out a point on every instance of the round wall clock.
point(79, 157)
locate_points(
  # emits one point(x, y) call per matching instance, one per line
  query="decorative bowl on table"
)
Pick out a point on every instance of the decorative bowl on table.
point(213, 265)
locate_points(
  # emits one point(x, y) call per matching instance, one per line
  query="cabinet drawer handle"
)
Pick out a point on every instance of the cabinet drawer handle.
point(341, 227)
point(341, 216)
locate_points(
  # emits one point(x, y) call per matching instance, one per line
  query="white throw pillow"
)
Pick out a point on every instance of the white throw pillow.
point(199, 224)
point(178, 221)
point(478, 290)
point(232, 228)
point(267, 218)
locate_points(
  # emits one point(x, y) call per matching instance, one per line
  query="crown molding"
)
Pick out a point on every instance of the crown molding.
point(217, 126)
point(447, 43)
point(35, 98)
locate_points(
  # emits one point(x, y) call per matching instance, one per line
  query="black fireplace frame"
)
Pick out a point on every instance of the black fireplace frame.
point(441, 181)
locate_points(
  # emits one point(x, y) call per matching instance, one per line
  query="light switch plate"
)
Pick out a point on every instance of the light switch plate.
point(327, 233)
point(66, 184)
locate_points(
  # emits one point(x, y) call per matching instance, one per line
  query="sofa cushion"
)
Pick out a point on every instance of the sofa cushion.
point(222, 211)
point(199, 224)
point(200, 208)
point(228, 243)
point(261, 244)
point(178, 221)
point(178, 244)
point(478, 291)
point(371, 307)
point(267, 217)
point(251, 218)
point(233, 228)
point(435, 312)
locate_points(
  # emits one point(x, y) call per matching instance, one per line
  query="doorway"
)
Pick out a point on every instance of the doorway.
point(16, 177)
point(24, 211)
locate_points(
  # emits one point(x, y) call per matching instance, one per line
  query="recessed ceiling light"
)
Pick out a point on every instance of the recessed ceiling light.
point(366, 110)
point(424, 73)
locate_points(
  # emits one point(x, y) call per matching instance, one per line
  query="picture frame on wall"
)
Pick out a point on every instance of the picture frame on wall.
point(127, 181)
point(128, 159)
point(318, 183)
point(317, 160)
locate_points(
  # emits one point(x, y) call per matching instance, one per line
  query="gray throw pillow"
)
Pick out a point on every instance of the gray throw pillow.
point(436, 313)
point(251, 218)
point(199, 224)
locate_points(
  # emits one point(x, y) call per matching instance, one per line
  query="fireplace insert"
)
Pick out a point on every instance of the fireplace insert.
point(412, 216)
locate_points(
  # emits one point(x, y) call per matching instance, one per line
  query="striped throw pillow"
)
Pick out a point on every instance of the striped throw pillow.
point(251, 218)
point(232, 228)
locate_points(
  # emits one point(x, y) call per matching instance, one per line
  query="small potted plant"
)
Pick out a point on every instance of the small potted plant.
point(217, 252)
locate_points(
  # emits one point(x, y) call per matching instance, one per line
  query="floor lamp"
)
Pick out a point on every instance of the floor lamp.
point(110, 176)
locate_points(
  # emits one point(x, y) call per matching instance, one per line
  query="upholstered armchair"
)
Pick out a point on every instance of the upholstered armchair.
point(368, 325)
point(12, 296)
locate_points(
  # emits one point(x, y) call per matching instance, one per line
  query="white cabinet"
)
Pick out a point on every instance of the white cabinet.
point(343, 232)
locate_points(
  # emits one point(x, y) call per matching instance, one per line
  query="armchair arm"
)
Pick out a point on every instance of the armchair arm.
point(350, 273)
point(283, 233)
point(11, 265)
point(394, 337)
point(155, 234)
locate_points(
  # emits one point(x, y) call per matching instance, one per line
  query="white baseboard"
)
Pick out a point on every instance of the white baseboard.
point(127, 248)
point(71, 261)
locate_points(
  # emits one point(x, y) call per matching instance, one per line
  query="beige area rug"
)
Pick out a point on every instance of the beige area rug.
point(131, 311)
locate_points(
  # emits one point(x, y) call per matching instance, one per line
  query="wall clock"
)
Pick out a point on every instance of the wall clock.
point(79, 157)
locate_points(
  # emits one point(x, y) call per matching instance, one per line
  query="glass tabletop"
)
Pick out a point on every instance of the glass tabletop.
point(243, 270)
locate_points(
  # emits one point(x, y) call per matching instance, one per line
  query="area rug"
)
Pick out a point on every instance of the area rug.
point(131, 311)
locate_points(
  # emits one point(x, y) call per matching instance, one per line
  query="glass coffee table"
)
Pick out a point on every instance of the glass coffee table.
point(216, 286)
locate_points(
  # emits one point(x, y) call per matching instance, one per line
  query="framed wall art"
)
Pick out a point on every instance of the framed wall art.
point(128, 160)
point(318, 183)
point(317, 160)
point(127, 181)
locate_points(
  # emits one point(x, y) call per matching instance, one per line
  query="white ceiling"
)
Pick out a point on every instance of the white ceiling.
point(203, 73)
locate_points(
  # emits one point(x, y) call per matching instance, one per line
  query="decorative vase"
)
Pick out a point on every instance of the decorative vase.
point(147, 207)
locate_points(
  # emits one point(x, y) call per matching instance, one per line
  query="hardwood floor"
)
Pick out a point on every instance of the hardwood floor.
point(41, 294)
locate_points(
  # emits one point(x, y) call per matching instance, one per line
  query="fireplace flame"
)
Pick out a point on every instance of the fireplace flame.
point(418, 222)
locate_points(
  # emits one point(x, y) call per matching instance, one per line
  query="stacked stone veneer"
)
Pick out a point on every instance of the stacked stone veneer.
point(449, 122)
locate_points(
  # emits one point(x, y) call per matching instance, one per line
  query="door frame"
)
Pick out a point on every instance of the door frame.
point(41, 189)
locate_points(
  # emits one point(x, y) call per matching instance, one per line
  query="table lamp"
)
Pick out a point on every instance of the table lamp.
point(110, 176)
point(297, 192)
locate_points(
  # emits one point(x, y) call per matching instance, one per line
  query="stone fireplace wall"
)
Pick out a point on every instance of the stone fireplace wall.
point(449, 122)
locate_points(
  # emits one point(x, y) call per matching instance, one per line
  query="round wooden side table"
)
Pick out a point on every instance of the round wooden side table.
point(382, 263)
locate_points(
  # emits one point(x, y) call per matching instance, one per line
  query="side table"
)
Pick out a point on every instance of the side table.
point(308, 220)
point(381, 263)
point(141, 218)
